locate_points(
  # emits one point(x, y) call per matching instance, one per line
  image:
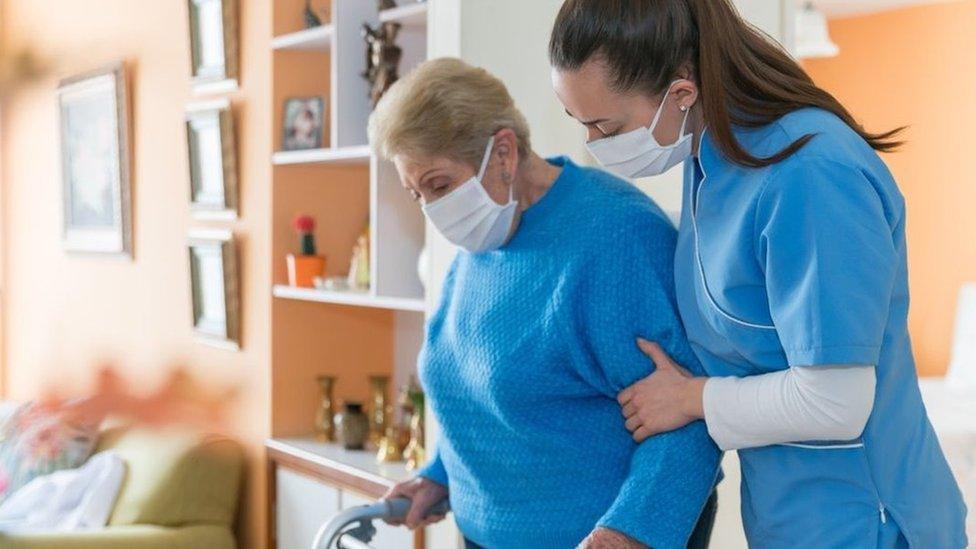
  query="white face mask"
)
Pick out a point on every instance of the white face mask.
point(638, 154)
point(468, 216)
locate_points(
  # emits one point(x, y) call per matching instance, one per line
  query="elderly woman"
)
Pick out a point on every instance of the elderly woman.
point(561, 270)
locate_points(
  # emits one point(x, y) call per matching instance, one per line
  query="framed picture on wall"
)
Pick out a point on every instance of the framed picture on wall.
point(213, 44)
point(95, 161)
point(212, 158)
point(214, 285)
point(303, 124)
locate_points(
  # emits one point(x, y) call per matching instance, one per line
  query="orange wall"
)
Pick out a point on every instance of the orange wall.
point(916, 67)
point(63, 313)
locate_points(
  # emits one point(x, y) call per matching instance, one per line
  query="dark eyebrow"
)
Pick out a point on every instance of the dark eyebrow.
point(587, 122)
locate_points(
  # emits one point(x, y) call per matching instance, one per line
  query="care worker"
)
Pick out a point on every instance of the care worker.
point(790, 272)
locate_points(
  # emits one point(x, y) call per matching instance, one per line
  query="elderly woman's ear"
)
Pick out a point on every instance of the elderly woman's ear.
point(506, 154)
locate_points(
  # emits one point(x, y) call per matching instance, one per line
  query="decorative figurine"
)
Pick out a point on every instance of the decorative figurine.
point(378, 412)
point(353, 427)
point(382, 58)
point(311, 19)
point(325, 415)
point(304, 268)
point(358, 278)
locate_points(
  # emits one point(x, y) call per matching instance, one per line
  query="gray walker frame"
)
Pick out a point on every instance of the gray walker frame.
point(353, 528)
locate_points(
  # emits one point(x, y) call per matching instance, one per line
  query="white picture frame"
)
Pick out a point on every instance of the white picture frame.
point(95, 162)
point(214, 288)
point(212, 160)
point(214, 55)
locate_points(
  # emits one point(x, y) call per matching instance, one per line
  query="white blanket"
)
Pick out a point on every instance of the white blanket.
point(72, 499)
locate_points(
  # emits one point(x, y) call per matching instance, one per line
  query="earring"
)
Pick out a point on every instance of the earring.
point(683, 108)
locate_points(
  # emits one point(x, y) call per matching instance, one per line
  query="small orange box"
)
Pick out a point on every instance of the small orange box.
point(302, 270)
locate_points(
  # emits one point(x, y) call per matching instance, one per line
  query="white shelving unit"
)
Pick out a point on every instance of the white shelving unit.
point(391, 314)
point(314, 39)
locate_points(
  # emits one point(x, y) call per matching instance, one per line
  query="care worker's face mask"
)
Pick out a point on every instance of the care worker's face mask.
point(469, 217)
point(638, 154)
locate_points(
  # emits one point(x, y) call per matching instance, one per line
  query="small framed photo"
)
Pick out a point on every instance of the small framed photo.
point(213, 44)
point(95, 162)
point(214, 285)
point(211, 149)
point(303, 123)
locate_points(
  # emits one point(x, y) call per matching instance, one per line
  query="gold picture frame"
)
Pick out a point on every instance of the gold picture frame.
point(215, 288)
point(214, 55)
point(212, 158)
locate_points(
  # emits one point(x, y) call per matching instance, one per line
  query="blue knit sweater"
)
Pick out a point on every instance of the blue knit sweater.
point(524, 358)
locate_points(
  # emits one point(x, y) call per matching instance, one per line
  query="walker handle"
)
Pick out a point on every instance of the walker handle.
point(398, 508)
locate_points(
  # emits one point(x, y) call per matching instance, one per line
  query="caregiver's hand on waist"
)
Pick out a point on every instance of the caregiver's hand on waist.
point(606, 538)
point(423, 494)
point(668, 399)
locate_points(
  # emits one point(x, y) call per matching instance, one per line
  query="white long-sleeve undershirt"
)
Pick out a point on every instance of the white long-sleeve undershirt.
point(802, 403)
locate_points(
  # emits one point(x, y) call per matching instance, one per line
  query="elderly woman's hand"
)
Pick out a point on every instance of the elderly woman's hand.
point(668, 399)
point(423, 494)
point(605, 538)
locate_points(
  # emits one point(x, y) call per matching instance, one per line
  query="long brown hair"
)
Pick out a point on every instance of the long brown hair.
point(745, 78)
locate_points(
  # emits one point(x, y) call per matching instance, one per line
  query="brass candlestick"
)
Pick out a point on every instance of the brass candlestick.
point(325, 415)
point(415, 454)
point(378, 409)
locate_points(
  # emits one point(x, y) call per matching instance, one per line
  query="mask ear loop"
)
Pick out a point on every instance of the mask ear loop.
point(657, 115)
point(484, 161)
point(484, 167)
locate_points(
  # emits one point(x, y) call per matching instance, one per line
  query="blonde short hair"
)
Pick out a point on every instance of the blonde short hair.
point(445, 108)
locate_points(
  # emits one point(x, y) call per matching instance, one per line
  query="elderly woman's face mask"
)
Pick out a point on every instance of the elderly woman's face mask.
point(469, 218)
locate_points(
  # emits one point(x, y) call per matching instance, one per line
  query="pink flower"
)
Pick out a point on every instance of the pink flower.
point(304, 224)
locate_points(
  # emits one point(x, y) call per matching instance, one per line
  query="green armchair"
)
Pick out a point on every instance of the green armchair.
point(180, 491)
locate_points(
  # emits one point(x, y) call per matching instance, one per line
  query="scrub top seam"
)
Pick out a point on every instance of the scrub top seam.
point(698, 259)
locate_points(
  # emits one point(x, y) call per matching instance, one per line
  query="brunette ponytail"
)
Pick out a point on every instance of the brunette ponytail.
point(744, 77)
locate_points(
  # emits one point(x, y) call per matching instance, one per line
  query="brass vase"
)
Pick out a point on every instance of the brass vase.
point(379, 416)
point(325, 415)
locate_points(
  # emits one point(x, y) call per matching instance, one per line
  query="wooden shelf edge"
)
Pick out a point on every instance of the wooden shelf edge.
point(344, 155)
point(408, 15)
point(314, 39)
point(355, 299)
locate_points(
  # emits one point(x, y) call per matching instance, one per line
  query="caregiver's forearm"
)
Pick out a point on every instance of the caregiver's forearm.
point(797, 404)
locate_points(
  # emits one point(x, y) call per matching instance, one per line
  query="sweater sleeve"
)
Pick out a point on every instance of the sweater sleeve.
point(434, 469)
point(628, 294)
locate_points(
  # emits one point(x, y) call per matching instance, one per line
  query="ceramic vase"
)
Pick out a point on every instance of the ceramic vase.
point(352, 427)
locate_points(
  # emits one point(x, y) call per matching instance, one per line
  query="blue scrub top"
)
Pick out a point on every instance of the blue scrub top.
point(802, 264)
